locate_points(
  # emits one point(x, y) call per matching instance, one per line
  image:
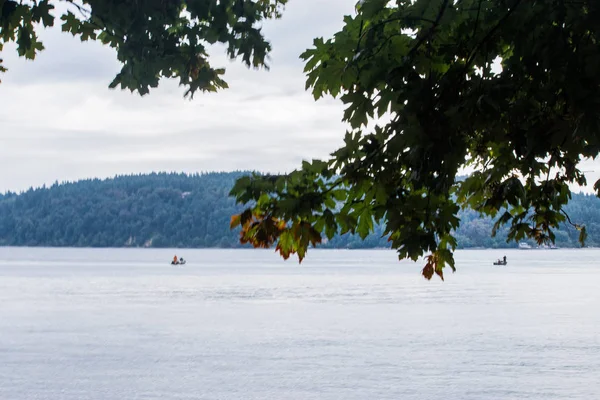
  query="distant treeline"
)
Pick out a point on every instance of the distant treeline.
point(180, 210)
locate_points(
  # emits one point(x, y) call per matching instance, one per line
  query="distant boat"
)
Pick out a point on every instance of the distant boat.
point(524, 246)
point(501, 261)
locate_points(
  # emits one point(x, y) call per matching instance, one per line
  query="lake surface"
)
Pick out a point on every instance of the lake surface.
point(123, 324)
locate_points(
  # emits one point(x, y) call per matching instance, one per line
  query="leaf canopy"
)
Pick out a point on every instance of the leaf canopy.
point(509, 89)
point(152, 38)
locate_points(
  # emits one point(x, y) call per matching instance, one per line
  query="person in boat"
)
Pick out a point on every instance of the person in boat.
point(181, 260)
point(175, 261)
point(504, 259)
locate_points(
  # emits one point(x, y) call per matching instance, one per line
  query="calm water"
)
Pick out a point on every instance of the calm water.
point(124, 324)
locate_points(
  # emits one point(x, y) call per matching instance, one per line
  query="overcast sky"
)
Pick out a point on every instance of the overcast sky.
point(59, 121)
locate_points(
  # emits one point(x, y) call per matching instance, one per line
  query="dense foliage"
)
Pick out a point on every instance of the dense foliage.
point(152, 38)
point(177, 210)
point(423, 101)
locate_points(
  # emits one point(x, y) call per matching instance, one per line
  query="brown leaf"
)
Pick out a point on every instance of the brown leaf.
point(427, 271)
point(430, 267)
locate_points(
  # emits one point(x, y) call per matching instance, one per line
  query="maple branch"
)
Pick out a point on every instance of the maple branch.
point(576, 226)
point(477, 20)
point(387, 21)
point(431, 30)
point(362, 32)
point(402, 18)
point(490, 34)
point(83, 11)
point(89, 18)
point(361, 163)
point(426, 36)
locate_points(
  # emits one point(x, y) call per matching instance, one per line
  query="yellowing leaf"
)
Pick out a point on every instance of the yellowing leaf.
point(235, 221)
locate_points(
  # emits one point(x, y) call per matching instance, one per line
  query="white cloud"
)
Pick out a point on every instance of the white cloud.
point(59, 121)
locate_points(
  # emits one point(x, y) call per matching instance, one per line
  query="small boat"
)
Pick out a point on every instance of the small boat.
point(501, 261)
point(524, 246)
point(178, 262)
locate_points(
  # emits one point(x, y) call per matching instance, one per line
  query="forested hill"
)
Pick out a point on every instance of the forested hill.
point(155, 210)
point(179, 210)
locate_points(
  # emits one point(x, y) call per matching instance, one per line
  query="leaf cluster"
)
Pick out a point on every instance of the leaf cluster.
point(152, 38)
point(506, 88)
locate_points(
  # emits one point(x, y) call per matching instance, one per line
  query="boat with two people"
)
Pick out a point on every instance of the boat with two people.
point(178, 261)
point(501, 261)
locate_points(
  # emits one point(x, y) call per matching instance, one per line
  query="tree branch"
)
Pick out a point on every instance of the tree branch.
point(429, 33)
point(477, 20)
point(83, 11)
point(490, 34)
point(423, 38)
point(576, 226)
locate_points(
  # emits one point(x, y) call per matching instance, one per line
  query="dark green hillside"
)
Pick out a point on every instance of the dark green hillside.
point(155, 210)
point(179, 210)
